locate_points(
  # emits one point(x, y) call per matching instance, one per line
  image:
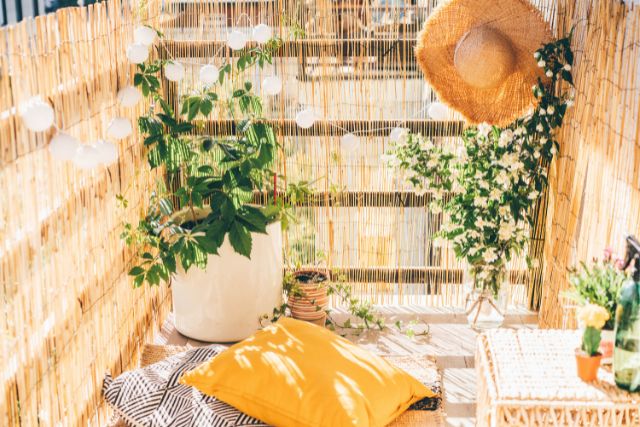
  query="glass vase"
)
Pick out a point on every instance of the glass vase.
point(486, 300)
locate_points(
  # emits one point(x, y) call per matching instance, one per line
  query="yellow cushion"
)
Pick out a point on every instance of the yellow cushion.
point(294, 373)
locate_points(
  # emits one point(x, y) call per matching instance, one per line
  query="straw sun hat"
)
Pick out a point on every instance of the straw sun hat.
point(478, 56)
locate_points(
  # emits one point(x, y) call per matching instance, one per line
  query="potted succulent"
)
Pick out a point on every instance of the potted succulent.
point(600, 284)
point(201, 230)
point(587, 356)
point(309, 297)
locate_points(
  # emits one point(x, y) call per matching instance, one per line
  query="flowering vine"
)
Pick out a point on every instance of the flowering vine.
point(488, 188)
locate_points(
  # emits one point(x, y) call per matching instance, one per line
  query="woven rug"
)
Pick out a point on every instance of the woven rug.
point(427, 412)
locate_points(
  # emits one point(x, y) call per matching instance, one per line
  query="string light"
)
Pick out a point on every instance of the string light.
point(87, 157)
point(37, 114)
point(144, 35)
point(119, 128)
point(108, 151)
point(262, 33)
point(272, 85)
point(209, 74)
point(305, 118)
point(236, 40)
point(396, 133)
point(63, 146)
point(129, 96)
point(174, 71)
point(137, 53)
point(349, 142)
point(438, 111)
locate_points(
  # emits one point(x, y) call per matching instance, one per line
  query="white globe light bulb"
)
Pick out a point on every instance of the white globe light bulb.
point(438, 111)
point(108, 151)
point(87, 157)
point(119, 128)
point(137, 53)
point(129, 96)
point(305, 118)
point(236, 40)
point(396, 134)
point(63, 146)
point(144, 35)
point(37, 114)
point(262, 33)
point(209, 74)
point(174, 71)
point(272, 85)
point(349, 142)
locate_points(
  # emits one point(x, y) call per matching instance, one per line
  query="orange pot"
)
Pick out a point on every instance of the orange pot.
point(314, 295)
point(587, 365)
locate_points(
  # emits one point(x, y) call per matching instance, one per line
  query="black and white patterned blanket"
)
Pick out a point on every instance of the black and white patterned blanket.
point(152, 397)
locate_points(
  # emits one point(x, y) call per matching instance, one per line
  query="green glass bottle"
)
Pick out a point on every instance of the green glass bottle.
point(626, 354)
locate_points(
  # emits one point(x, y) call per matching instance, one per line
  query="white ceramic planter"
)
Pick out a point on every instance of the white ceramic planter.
point(224, 302)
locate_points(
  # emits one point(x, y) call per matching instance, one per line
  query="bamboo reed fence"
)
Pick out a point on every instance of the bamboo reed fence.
point(69, 312)
point(595, 182)
point(352, 62)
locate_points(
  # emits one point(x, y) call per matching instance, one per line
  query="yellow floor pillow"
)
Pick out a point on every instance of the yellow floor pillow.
point(294, 373)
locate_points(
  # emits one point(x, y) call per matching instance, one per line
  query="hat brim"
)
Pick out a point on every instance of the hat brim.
point(518, 21)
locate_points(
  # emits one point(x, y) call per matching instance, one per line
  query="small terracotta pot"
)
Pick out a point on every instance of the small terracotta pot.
point(587, 365)
point(314, 295)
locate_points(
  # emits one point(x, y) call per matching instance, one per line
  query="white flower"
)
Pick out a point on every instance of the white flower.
point(490, 255)
point(541, 63)
point(426, 144)
point(432, 163)
point(536, 154)
point(502, 179)
point(533, 195)
point(484, 129)
point(543, 140)
point(536, 55)
point(549, 73)
point(495, 194)
point(539, 128)
point(542, 112)
point(550, 109)
point(507, 230)
point(570, 103)
point(504, 210)
point(505, 138)
point(567, 67)
point(480, 202)
point(553, 150)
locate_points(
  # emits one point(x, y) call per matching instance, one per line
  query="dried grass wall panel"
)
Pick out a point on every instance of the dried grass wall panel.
point(595, 183)
point(69, 312)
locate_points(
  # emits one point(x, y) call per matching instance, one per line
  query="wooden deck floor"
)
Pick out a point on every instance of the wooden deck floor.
point(451, 341)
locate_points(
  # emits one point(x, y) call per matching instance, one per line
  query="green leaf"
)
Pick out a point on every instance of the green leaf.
point(238, 93)
point(135, 271)
point(247, 86)
point(253, 219)
point(240, 239)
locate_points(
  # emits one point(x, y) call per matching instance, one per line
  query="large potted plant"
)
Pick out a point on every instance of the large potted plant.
point(492, 183)
point(202, 229)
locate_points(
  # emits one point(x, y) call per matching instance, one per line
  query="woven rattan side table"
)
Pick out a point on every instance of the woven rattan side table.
point(528, 378)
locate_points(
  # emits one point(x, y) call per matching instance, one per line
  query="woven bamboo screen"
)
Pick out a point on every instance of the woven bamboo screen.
point(595, 183)
point(354, 66)
point(68, 309)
